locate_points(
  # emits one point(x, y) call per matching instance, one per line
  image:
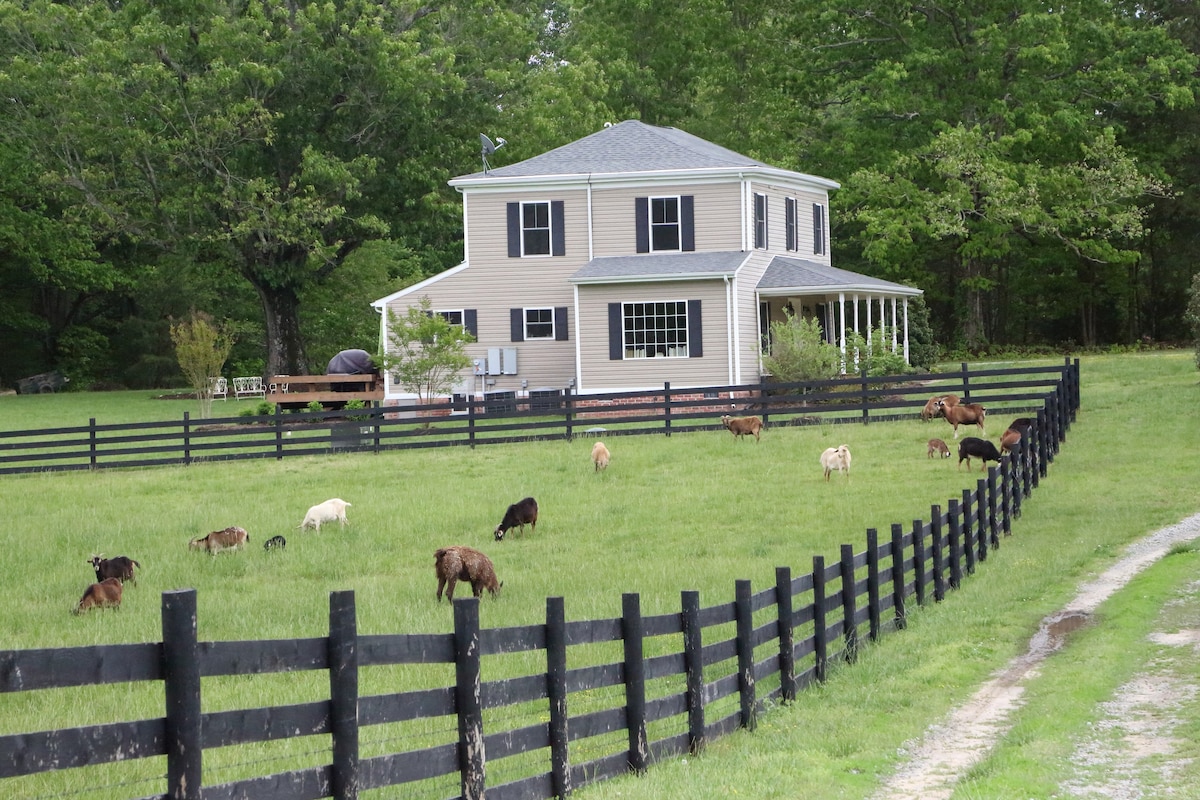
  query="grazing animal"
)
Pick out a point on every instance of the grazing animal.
point(836, 458)
point(461, 563)
point(1009, 440)
point(333, 510)
point(933, 409)
point(275, 543)
point(600, 456)
point(518, 513)
point(741, 426)
point(982, 449)
point(100, 595)
point(939, 447)
point(963, 414)
point(232, 538)
point(120, 568)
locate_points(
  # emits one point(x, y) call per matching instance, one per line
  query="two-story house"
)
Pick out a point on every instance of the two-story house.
point(639, 255)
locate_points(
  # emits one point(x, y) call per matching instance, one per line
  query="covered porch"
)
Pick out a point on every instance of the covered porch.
point(841, 301)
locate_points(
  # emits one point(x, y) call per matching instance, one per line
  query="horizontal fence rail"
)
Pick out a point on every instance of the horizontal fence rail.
point(477, 421)
point(603, 697)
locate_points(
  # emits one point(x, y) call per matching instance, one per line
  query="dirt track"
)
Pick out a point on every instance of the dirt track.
point(949, 749)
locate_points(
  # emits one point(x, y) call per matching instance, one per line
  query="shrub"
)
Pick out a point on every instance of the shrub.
point(876, 358)
point(1192, 315)
point(799, 352)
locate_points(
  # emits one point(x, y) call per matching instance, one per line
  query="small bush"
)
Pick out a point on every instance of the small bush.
point(314, 405)
point(1192, 315)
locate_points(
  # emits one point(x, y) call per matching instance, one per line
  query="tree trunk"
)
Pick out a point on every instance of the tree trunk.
point(973, 322)
point(285, 346)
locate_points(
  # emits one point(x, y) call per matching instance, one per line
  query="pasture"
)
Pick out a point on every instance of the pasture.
point(691, 511)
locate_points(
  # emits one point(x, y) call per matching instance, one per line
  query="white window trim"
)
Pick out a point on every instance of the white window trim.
point(462, 315)
point(678, 222)
point(754, 215)
point(525, 323)
point(549, 228)
point(686, 329)
point(824, 230)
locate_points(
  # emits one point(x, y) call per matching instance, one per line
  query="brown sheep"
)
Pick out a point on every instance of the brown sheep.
point(963, 414)
point(932, 408)
point(461, 563)
point(1009, 440)
point(100, 595)
point(600, 456)
point(939, 447)
point(740, 426)
point(232, 538)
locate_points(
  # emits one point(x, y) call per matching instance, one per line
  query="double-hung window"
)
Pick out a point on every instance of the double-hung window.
point(535, 229)
point(760, 221)
point(818, 229)
point(664, 224)
point(539, 323)
point(790, 232)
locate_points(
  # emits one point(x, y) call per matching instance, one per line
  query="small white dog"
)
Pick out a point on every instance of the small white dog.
point(329, 511)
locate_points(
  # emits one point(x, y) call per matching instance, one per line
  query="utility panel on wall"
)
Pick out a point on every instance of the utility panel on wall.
point(502, 361)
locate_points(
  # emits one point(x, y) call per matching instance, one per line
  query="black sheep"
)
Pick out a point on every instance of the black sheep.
point(518, 513)
point(980, 448)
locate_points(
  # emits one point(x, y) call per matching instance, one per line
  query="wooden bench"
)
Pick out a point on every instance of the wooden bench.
point(297, 391)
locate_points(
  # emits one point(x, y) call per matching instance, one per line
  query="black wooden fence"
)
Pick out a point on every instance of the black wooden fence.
point(682, 678)
point(541, 415)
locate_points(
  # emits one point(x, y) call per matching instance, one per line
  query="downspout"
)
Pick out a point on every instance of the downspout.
point(730, 337)
point(578, 354)
point(737, 351)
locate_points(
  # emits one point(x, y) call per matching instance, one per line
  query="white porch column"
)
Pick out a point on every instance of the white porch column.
point(894, 325)
point(906, 361)
point(869, 322)
point(842, 306)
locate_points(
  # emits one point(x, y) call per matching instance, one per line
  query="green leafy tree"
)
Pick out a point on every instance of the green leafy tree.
point(799, 351)
point(428, 352)
point(202, 347)
point(1192, 316)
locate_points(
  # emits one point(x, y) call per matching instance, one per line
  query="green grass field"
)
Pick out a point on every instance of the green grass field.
point(694, 511)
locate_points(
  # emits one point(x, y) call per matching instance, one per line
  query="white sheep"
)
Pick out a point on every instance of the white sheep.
point(836, 458)
point(329, 511)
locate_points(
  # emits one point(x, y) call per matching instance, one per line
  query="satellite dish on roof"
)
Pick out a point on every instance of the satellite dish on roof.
point(487, 148)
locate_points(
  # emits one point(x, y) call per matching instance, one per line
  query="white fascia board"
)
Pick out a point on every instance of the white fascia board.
point(708, 276)
point(848, 288)
point(623, 179)
point(416, 287)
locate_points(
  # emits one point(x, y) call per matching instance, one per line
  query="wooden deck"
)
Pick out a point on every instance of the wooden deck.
point(297, 391)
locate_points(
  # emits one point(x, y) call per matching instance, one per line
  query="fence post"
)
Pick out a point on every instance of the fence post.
point(982, 523)
point(667, 408)
point(967, 529)
point(787, 651)
point(954, 516)
point(966, 383)
point(898, 571)
point(471, 420)
point(635, 682)
point(556, 692)
point(569, 406)
point(181, 679)
point(693, 664)
point(820, 628)
point(939, 560)
point(995, 502)
point(1077, 396)
point(744, 622)
point(865, 388)
point(873, 610)
point(278, 414)
point(849, 628)
point(92, 442)
point(920, 581)
point(472, 761)
point(343, 693)
point(1042, 449)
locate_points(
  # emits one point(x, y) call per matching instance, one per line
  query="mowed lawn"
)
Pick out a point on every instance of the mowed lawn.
point(692, 511)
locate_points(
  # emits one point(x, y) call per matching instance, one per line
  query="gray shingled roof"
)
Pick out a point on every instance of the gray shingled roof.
point(629, 146)
point(796, 273)
point(660, 266)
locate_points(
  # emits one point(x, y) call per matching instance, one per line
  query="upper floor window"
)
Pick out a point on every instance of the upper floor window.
point(536, 228)
point(664, 224)
point(818, 229)
point(760, 221)
point(790, 224)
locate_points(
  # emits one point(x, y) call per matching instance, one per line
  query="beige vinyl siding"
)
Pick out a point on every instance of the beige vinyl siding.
point(598, 373)
point(777, 220)
point(716, 208)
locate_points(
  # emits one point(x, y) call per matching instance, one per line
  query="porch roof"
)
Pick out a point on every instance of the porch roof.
point(786, 275)
point(660, 267)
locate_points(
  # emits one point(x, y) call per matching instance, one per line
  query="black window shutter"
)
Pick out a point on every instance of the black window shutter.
point(514, 230)
point(641, 218)
point(616, 343)
point(557, 221)
point(687, 222)
point(517, 317)
point(471, 322)
point(560, 323)
point(695, 334)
